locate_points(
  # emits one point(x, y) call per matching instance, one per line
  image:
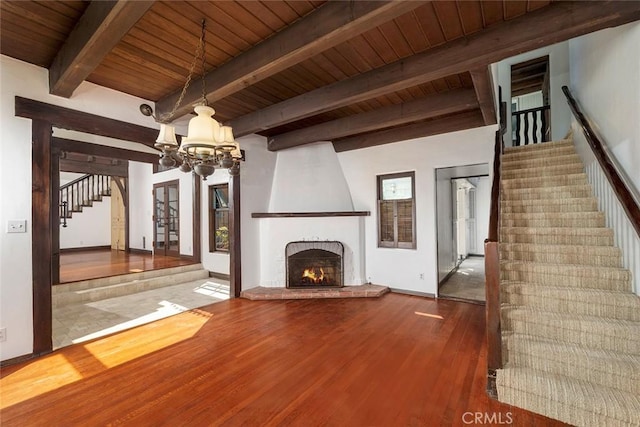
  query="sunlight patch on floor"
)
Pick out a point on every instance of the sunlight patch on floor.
point(213, 289)
point(435, 316)
point(166, 309)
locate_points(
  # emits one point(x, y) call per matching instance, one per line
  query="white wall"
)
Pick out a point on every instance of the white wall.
point(401, 268)
point(256, 176)
point(140, 206)
point(605, 79)
point(559, 74)
point(19, 78)
point(309, 179)
point(91, 227)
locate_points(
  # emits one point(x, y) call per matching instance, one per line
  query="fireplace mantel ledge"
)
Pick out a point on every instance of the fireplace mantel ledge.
point(307, 214)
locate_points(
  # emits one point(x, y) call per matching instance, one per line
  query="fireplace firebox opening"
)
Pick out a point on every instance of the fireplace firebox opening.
point(315, 264)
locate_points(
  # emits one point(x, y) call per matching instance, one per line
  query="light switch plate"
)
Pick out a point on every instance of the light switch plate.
point(17, 226)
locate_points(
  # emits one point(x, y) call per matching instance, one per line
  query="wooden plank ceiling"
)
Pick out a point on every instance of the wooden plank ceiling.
point(358, 73)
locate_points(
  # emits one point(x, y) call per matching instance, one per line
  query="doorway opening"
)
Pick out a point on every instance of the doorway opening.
point(530, 106)
point(463, 195)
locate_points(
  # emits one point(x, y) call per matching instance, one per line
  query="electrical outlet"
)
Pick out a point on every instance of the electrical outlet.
point(17, 226)
point(3, 334)
point(421, 276)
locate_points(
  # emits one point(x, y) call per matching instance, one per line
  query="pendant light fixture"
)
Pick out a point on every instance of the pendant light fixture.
point(208, 144)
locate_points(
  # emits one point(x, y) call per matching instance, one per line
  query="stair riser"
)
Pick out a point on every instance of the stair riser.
point(559, 279)
point(556, 302)
point(545, 194)
point(593, 371)
point(533, 148)
point(561, 258)
point(543, 161)
point(615, 339)
point(557, 239)
point(554, 222)
point(526, 155)
point(572, 168)
point(544, 182)
point(590, 206)
point(114, 280)
point(127, 289)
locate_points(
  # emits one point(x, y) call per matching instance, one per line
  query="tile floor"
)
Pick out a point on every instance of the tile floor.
point(80, 322)
point(467, 283)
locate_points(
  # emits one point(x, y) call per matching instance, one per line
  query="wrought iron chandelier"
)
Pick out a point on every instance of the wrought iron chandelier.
point(208, 144)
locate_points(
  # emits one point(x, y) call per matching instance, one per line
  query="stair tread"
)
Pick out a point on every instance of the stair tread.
point(565, 267)
point(606, 401)
point(575, 350)
point(541, 146)
point(530, 312)
point(508, 284)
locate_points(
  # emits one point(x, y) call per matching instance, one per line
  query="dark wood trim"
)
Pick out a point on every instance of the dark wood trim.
point(42, 236)
point(483, 85)
point(16, 360)
point(623, 193)
point(83, 166)
point(555, 23)
point(197, 217)
point(492, 288)
point(85, 249)
point(235, 241)
point(307, 214)
point(468, 120)
point(55, 216)
point(140, 251)
point(414, 293)
point(67, 118)
point(325, 27)
point(220, 276)
point(432, 106)
point(103, 150)
point(99, 29)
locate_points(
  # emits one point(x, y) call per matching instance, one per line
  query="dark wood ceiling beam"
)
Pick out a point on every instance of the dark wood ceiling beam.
point(483, 85)
point(462, 121)
point(329, 25)
point(557, 22)
point(393, 115)
point(70, 145)
point(66, 118)
point(99, 29)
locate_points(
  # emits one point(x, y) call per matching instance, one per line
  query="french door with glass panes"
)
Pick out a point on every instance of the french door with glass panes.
point(166, 219)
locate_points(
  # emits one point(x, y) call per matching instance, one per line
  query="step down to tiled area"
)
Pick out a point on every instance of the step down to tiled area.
point(109, 287)
point(360, 291)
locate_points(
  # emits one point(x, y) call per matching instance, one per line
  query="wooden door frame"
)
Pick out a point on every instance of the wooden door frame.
point(166, 184)
point(44, 216)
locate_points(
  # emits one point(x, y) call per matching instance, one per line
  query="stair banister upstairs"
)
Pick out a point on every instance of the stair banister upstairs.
point(621, 189)
point(492, 263)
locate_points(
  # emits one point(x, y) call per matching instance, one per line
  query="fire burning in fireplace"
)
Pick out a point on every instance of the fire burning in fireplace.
point(313, 275)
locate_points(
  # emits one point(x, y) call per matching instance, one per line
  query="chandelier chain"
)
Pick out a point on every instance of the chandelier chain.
point(199, 51)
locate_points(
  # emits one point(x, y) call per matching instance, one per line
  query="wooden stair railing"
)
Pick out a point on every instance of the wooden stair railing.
point(492, 264)
point(82, 192)
point(535, 116)
point(622, 191)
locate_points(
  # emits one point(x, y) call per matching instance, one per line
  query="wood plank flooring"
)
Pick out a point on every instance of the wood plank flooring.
point(93, 264)
point(397, 360)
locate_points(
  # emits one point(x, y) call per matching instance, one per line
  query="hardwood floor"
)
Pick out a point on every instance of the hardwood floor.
point(394, 361)
point(93, 264)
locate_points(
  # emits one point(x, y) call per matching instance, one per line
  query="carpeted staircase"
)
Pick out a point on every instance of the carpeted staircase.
point(570, 323)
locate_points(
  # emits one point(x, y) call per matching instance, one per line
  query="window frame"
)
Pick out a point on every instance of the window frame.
point(212, 216)
point(395, 243)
